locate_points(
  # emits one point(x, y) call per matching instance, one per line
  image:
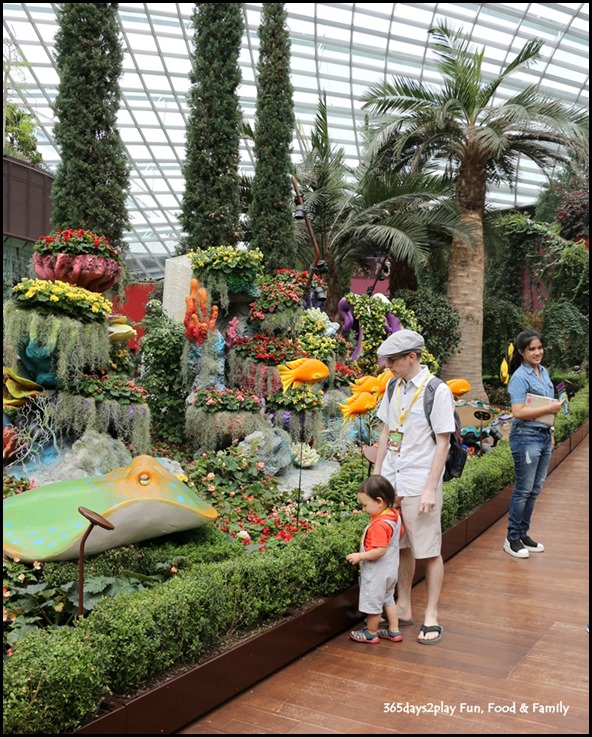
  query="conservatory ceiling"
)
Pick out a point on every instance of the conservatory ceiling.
point(339, 48)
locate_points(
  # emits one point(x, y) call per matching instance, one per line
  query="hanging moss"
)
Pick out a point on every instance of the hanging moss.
point(75, 415)
point(253, 376)
point(214, 431)
point(331, 401)
point(300, 425)
point(75, 347)
point(285, 321)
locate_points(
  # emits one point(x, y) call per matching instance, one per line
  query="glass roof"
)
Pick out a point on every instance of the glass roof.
point(339, 48)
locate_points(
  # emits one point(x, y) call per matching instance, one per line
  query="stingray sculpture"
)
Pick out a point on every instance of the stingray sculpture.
point(142, 501)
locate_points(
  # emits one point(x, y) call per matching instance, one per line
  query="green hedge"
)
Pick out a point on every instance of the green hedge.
point(55, 680)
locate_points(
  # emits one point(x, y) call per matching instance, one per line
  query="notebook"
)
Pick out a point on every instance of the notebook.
point(536, 400)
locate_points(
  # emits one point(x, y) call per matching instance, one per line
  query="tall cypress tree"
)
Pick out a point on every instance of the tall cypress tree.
point(272, 212)
point(211, 202)
point(92, 180)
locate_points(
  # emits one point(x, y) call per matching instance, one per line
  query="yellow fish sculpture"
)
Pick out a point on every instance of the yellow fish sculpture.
point(302, 371)
point(357, 405)
point(505, 365)
point(459, 387)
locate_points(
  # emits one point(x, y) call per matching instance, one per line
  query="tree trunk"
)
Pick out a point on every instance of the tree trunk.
point(465, 291)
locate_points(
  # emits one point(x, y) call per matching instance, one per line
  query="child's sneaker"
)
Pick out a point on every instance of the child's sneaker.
point(386, 634)
point(364, 636)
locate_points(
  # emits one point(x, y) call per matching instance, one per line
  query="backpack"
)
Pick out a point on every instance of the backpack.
point(457, 455)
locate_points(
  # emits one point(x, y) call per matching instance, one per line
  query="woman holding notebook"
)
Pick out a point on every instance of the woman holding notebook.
point(531, 437)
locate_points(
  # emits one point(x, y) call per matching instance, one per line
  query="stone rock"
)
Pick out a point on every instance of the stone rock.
point(173, 467)
point(98, 453)
point(272, 448)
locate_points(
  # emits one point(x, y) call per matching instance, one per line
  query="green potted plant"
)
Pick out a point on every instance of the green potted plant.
point(227, 271)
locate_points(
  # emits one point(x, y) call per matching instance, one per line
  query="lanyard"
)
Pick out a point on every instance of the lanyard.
point(403, 415)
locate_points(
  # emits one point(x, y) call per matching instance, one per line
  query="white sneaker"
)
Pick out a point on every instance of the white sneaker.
point(530, 544)
point(516, 548)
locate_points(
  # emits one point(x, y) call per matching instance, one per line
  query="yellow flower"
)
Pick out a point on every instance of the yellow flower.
point(53, 298)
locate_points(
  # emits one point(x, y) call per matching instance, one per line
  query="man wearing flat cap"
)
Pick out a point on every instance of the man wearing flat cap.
point(413, 459)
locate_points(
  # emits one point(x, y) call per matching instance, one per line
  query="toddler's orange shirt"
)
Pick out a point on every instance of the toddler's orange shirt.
point(379, 532)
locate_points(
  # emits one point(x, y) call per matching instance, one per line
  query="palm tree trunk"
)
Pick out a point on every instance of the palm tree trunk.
point(465, 291)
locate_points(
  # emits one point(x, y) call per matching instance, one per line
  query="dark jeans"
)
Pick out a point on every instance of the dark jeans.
point(531, 450)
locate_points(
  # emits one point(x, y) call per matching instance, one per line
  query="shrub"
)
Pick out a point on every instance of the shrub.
point(55, 683)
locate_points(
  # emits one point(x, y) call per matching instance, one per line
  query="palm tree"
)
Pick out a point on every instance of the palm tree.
point(479, 139)
point(356, 215)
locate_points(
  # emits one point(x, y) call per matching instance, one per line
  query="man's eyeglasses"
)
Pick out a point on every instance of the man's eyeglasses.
point(389, 360)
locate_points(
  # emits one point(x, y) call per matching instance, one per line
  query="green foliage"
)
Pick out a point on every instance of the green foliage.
point(573, 214)
point(92, 180)
point(504, 320)
point(54, 684)
point(105, 387)
point(568, 275)
point(297, 399)
point(162, 348)
point(20, 134)
point(371, 314)
point(566, 333)
point(11, 485)
point(271, 212)
point(482, 479)
point(229, 400)
point(225, 270)
point(579, 411)
point(561, 266)
point(438, 319)
point(211, 203)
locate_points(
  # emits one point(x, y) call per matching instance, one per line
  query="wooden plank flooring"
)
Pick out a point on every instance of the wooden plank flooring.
point(514, 639)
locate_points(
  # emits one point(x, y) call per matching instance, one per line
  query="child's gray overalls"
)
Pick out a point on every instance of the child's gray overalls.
point(378, 578)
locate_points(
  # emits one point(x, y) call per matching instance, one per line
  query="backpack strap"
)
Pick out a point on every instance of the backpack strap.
point(428, 401)
point(428, 397)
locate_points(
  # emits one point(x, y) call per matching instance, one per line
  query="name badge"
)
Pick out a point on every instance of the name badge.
point(395, 440)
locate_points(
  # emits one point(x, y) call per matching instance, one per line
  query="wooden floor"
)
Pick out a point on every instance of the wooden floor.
point(514, 658)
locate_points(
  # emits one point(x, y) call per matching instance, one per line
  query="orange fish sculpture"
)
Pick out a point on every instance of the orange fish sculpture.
point(383, 380)
point(365, 384)
point(459, 387)
point(357, 405)
point(374, 384)
point(302, 371)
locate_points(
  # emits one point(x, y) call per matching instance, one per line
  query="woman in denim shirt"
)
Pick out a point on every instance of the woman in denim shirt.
point(531, 440)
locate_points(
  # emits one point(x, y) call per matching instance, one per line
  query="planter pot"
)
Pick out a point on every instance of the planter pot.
point(95, 273)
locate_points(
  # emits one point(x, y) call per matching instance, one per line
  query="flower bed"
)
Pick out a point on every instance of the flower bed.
point(50, 297)
point(227, 400)
point(101, 388)
point(76, 242)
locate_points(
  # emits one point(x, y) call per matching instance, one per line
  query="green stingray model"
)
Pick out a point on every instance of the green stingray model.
point(142, 501)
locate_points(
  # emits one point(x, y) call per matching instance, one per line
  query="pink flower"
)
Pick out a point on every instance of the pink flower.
point(260, 466)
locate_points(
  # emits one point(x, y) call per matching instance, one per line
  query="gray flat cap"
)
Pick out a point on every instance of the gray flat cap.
point(403, 341)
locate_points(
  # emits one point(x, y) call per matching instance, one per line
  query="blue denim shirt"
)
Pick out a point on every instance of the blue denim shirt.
point(525, 380)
